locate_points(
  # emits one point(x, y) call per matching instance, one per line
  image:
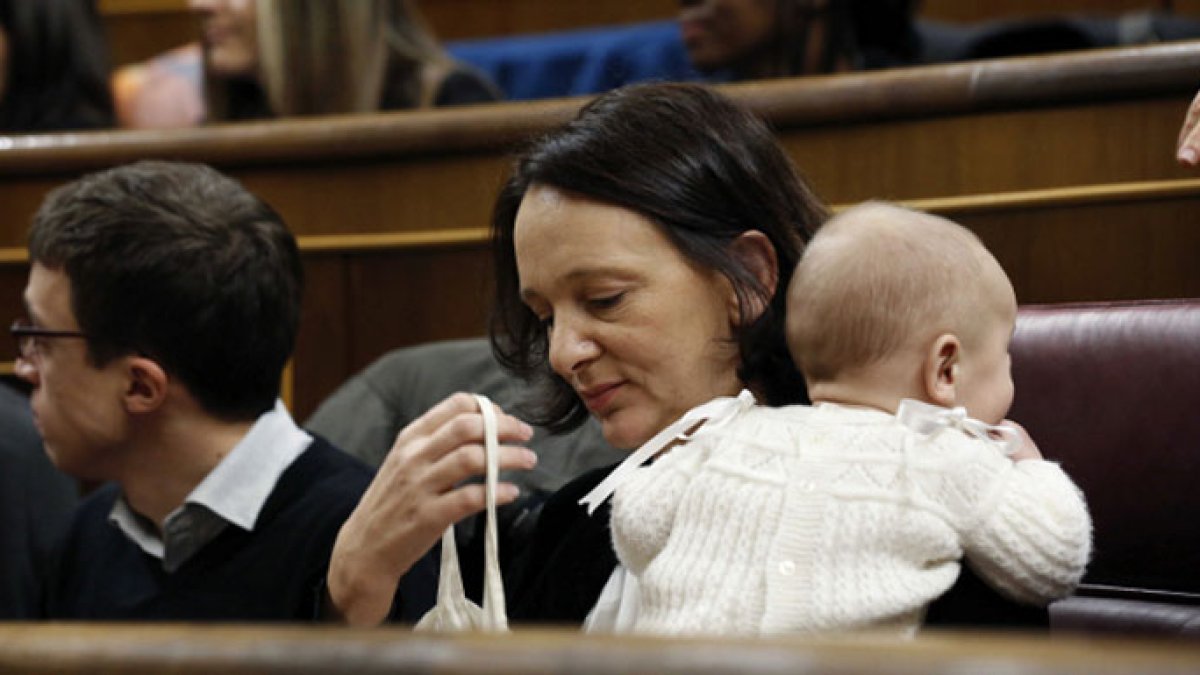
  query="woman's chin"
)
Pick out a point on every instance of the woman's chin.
point(624, 430)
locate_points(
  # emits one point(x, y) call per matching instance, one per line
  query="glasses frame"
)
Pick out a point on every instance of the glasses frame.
point(26, 336)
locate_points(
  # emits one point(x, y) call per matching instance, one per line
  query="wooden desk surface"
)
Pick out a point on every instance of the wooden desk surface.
point(237, 649)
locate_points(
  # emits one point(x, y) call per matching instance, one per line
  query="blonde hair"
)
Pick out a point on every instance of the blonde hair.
point(879, 278)
point(321, 57)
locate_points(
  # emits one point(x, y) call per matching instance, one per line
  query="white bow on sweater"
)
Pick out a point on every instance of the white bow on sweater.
point(713, 414)
point(927, 419)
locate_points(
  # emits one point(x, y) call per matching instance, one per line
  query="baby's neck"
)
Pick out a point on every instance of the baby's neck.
point(853, 394)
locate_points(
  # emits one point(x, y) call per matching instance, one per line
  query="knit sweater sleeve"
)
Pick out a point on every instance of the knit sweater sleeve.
point(1025, 525)
point(644, 506)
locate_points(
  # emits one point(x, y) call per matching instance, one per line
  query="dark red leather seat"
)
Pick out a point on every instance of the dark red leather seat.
point(1112, 391)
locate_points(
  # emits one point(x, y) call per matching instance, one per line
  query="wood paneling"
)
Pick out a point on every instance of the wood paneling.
point(360, 304)
point(1110, 242)
point(136, 35)
point(1106, 242)
point(392, 209)
point(1100, 117)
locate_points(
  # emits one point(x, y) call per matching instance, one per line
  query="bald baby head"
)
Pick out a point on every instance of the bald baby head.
point(878, 279)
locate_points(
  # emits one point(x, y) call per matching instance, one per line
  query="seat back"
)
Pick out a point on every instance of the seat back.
point(1112, 392)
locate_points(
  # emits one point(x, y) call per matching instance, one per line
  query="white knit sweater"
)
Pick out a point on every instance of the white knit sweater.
point(806, 519)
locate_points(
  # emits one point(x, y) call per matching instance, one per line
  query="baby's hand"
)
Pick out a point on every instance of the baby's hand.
point(1025, 447)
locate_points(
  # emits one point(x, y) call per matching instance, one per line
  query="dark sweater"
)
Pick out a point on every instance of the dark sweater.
point(36, 502)
point(275, 573)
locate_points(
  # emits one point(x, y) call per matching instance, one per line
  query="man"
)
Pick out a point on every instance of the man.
point(163, 303)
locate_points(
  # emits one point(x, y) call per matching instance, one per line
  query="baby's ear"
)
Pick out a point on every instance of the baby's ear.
point(756, 252)
point(940, 370)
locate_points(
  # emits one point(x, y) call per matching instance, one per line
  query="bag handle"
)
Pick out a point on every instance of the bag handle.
point(454, 612)
point(493, 583)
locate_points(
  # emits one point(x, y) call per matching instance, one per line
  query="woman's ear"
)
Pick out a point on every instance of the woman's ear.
point(941, 369)
point(147, 385)
point(757, 254)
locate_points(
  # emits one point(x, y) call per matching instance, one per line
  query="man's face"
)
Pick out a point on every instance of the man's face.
point(79, 408)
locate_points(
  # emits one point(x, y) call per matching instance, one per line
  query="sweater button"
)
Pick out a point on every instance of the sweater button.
point(787, 568)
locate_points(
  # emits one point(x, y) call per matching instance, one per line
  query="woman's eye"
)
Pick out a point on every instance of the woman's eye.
point(547, 322)
point(607, 301)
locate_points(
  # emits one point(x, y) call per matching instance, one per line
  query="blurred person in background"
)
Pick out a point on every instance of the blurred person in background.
point(759, 39)
point(53, 67)
point(281, 58)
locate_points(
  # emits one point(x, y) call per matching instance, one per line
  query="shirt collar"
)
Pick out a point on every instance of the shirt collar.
point(238, 488)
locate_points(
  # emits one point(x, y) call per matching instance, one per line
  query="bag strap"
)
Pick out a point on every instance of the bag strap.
point(493, 583)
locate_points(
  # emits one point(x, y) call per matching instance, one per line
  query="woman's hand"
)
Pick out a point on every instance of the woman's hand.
point(414, 497)
point(1188, 152)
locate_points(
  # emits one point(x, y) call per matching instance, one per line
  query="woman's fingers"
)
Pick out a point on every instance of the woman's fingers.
point(454, 422)
point(416, 494)
point(468, 461)
point(471, 498)
point(437, 416)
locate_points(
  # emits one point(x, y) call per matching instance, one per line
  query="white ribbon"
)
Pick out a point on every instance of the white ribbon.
point(927, 419)
point(714, 414)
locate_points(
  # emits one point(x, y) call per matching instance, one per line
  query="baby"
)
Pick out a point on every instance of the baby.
point(855, 512)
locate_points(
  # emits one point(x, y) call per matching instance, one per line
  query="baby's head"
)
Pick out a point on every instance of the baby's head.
point(889, 303)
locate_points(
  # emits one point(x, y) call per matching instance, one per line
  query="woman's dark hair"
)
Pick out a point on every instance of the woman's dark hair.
point(58, 70)
point(702, 168)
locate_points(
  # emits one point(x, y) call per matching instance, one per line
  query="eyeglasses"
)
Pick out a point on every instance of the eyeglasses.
point(27, 336)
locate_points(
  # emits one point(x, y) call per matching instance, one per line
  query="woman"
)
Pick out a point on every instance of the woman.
point(282, 58)
point(642, 255)
point(53, 67)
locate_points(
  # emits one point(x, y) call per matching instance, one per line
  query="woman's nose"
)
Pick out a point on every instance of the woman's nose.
point(571, 346)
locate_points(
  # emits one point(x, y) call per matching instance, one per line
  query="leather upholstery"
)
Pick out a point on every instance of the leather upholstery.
point(1112, 391)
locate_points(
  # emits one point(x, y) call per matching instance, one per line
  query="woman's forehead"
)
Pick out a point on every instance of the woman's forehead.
point(559, 237)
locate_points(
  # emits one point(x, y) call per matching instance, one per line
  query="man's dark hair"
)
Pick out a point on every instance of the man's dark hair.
point(703, 169)
point(180, 264)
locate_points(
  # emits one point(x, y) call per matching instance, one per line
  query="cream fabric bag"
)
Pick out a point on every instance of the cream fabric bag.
point(453, 611)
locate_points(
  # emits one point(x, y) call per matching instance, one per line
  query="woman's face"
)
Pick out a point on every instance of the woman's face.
point(230, 35)
point(720, 33)
point(639, 332)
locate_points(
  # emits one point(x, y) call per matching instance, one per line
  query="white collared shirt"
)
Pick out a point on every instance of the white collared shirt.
point(233, 493)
